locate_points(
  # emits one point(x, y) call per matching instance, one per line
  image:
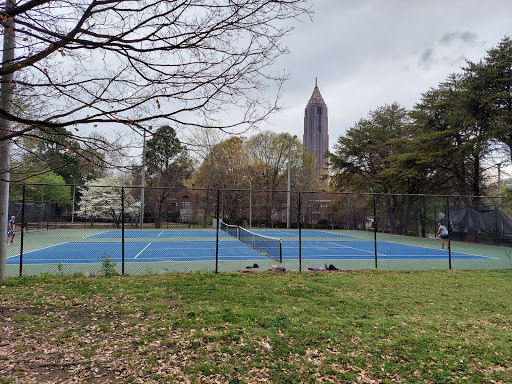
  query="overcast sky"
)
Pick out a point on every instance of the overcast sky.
point(368, 53)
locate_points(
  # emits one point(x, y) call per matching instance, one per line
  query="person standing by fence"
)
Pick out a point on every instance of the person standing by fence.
point(11, 230)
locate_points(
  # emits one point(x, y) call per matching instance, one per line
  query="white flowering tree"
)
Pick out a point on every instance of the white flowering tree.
point(102, 197)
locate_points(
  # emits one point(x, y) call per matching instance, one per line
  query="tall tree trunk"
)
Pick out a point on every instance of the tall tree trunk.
point(475, 190)
point(407, 215)
point(159, 209)
point(391, 214)
point(6, 98)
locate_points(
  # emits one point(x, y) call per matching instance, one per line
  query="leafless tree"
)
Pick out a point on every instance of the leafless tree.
point(87, 64)
point(187, 61)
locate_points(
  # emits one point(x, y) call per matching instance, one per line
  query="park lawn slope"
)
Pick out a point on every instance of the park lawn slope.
point(315, 327)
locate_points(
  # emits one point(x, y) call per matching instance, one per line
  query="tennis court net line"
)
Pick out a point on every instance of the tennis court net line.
point(266, 245)
point(269, 246)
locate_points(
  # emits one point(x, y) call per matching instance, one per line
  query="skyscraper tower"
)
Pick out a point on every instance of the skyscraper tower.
point(316, 135)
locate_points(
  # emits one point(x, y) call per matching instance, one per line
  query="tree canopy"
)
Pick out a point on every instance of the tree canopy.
point(47, 186)
point(363, 158)
point(168, 166)
point(258, 163)
point(490, 84)
point(443, 145)
point(93, 62)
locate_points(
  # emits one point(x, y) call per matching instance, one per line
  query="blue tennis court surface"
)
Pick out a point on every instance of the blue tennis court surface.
point(91, 252)
point(362, 250)
point(229, 249)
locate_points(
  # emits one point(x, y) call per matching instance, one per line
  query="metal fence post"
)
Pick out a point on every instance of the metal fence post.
point(217, 240)
point(299, 215)
point(449, 230)
point(22, 224)
point(375, 227)
point(497, 237)
point(122, 230)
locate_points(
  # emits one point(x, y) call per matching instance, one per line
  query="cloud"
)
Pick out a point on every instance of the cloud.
point(449, 50)
point(426, 58)
point(368, 53)
point(467, 37)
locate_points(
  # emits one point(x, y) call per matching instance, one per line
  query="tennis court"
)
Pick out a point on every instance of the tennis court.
point(198, 249)
point(138, 251)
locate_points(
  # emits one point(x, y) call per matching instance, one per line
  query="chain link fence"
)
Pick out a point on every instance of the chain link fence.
point(183, 230)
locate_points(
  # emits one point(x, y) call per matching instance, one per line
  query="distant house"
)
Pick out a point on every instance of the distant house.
point(317, 207)
point(183, 206)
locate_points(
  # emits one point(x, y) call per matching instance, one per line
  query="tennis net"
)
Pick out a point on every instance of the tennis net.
point(231, 230)
point(269, 246)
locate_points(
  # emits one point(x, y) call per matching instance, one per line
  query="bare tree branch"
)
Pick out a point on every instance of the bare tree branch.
point(197, 63)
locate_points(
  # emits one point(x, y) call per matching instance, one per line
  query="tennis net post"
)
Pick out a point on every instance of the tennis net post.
point(230, 229)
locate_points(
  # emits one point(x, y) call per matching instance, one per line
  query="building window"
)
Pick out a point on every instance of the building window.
point(184, 218)
point(185, 205)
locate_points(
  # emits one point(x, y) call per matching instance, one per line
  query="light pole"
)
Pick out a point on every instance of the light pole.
point(143, 179)
point(289, 138)
point(250, 199)
point(73, 207)
point(250, 203)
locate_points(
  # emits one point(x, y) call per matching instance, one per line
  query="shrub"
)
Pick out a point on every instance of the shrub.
point(108, 266)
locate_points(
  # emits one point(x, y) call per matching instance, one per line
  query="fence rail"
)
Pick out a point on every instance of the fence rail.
point(180, 232)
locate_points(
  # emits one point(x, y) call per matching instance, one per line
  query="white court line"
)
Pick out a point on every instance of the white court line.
point(160, 233)
point(289, 233)
point(40, 249)
point(342, 235)
point(96, 234)
point(142, 250)
point(430, 248)
point(458, 253)
point(295, 234)
point(357, 249)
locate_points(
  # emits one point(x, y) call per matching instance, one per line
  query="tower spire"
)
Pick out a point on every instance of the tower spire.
point(316, 97)
point(316, 130)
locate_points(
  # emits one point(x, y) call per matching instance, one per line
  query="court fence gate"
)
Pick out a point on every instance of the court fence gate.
point(105, 231)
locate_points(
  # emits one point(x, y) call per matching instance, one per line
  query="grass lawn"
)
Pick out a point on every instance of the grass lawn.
point(313, 327)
